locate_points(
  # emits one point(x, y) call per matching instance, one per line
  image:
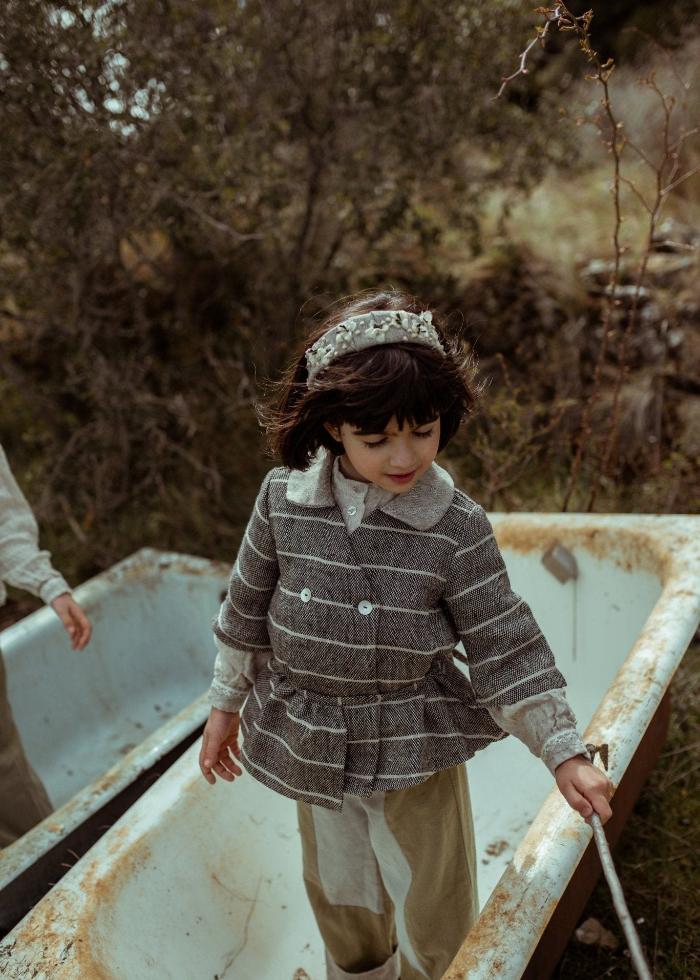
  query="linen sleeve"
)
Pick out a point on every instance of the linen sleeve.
point(22, 564)
point(234, 675)
point(508, 656)
point(546, 724)
point(240, 628)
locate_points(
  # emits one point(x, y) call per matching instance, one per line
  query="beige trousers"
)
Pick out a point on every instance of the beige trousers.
point(23, 799)
point(392, 879)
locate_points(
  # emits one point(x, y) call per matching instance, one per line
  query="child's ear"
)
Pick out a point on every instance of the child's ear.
point(333, 430)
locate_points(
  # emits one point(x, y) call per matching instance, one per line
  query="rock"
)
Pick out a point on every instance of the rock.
point(674, 236)
point(675, 338)
point(598, 269)
point(663, 267)
point(629, 292)
point(593, 933)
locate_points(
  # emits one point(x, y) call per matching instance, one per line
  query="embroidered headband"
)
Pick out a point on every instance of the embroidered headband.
point(370, 330)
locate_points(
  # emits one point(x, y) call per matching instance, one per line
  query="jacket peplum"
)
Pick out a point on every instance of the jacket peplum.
point(356, 689)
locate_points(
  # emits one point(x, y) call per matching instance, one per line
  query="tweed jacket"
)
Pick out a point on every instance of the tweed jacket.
point(353, 636)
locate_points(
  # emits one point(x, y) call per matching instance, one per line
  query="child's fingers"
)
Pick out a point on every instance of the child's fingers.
point(221, 770)
point(68, 624)
point(205, 768)
point(233, 746)
point(230, 762)
point(76, 630)
point(226, 765)
point(601, 806)
point(219, 762)
point(84, 629)
point(207, 756)
point(577, 801)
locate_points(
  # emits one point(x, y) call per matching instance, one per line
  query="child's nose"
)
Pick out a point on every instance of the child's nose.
point(404, 458)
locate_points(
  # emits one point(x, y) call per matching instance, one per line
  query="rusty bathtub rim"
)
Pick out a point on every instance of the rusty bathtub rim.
point(19, 856)
point(517, 912)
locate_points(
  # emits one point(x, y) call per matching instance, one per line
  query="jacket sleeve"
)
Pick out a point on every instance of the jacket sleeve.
point(240, 629)
point(546, 724)
point(509, 658)
point(22, 564)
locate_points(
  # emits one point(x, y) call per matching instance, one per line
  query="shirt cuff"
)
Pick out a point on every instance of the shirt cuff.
point(560, 747)
point(226, 698)
point(53, 588)
point(545, 723)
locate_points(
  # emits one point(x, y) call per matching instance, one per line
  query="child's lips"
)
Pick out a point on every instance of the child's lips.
point(402, 477)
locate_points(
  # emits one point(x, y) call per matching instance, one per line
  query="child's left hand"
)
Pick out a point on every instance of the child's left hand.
point(585, 787)
point(76, 623)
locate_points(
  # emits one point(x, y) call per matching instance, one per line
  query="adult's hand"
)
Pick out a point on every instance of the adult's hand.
point(76, 623)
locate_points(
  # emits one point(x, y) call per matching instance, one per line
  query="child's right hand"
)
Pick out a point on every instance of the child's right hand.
point(585, 787)
point(219, 740)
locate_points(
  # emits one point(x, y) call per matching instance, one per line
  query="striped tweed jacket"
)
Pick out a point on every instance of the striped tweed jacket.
point(353, 635)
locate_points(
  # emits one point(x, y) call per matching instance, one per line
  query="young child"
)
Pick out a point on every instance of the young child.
point(361, 568)
point(23, 799)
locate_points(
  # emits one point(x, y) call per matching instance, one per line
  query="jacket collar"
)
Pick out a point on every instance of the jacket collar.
point(420, 507)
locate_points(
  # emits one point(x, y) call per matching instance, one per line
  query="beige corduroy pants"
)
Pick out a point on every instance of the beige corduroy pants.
point(392, 879)
point(23, 799)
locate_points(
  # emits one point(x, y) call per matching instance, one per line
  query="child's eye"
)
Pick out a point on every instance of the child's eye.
point(371, 445)
point(423, 435)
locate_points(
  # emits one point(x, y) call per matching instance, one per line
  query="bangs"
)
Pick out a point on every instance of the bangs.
point(402, 381)
point(413, 383)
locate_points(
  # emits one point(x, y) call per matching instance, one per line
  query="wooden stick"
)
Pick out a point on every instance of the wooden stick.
point(623, 913)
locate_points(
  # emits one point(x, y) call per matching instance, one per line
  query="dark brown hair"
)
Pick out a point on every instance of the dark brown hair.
point(367, 388)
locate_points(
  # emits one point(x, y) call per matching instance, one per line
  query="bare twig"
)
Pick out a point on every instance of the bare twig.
point(552, 16)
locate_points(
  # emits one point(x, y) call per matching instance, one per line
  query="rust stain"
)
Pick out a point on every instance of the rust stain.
point(483, 947)
point(630, 548)
point(79, 953)
point(106, 781)
point(153, 563)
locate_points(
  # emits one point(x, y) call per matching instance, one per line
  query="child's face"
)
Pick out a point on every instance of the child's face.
point(394, 459)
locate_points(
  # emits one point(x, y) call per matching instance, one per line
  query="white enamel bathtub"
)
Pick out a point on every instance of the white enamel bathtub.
point(197, 882)
point(92, 721)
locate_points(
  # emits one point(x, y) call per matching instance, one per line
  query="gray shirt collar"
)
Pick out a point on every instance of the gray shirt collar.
point(420, 507)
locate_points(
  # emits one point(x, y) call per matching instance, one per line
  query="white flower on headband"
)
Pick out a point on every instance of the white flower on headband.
point(370, 330)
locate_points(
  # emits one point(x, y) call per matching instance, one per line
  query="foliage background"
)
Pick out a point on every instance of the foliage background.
point(184, 187)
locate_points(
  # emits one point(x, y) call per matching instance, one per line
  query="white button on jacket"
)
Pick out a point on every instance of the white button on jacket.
point(305, 595)
point(365, 607)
